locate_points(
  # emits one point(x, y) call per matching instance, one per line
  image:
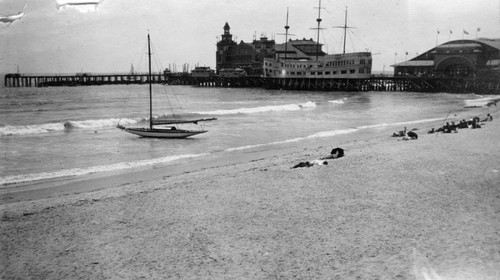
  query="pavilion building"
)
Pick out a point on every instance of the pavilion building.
point(460, 58)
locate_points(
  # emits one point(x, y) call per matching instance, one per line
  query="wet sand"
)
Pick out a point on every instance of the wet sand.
point(417, 209)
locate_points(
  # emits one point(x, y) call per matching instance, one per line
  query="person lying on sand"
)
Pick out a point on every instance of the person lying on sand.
point(488, 118)
point(400, 133)
point(310, 163)
point(335, 153)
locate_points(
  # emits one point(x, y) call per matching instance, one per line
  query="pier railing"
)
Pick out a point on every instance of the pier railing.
point(482, 85)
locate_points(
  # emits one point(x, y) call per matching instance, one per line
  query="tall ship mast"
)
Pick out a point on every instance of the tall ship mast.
point(345, 27)
point(306, 59)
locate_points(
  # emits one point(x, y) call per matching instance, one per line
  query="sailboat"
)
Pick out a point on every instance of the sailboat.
point(162, 132)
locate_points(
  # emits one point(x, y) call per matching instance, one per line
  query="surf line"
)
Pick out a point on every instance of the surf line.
point(262, 109)
point(6, 181)
point(10, 130)
point(330, 133)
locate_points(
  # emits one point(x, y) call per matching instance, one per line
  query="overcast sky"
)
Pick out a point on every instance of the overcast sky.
point(51, 39)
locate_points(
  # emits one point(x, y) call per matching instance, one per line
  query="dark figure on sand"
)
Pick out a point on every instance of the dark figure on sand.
point(488, 118)
point(412, 135)
point(310, 163)
point(335, 153)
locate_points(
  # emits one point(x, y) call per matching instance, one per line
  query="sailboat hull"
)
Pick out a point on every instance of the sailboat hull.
point(163, 133)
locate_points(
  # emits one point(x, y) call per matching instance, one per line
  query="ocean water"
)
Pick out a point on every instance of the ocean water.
point(53, 132)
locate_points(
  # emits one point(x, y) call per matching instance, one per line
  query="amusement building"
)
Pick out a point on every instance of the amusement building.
point(242, 57)
point(460, 58)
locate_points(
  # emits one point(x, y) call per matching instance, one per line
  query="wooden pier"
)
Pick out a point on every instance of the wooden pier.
point(19, 80)
point(415, 84)
point(490, 85)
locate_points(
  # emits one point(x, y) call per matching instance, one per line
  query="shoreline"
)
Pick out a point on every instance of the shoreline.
point(95, 181)
point(388, 208)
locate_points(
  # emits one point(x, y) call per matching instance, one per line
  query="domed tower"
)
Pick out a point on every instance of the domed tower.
point(223, 47)
point(227, 37)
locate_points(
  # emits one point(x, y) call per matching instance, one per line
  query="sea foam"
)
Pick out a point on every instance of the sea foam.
point(50, 127)
point(330, 133)
point(16, 179)
point(481, 102)
point(262, 109)
point(337, 101)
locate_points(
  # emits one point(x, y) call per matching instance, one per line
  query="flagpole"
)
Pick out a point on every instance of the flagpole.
point(437, 34)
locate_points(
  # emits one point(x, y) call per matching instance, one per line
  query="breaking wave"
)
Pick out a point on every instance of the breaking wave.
point(337, 101)
point(263, 109)
point(15, 179)
point(482, 102)
point(50, 127)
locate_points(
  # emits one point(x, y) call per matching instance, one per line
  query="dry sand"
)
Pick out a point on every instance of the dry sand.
point(420, 209)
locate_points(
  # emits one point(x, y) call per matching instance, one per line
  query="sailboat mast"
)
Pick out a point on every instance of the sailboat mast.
point(150, 87)
point(319, 21)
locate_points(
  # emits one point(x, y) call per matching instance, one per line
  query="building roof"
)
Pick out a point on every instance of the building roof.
point(495, 43)
point(415, 63)
point(297, 49)
point(459, 45)
point(427, 58)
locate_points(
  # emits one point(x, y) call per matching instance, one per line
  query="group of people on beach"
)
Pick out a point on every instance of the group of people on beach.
point(406, 135)
point(474, 122)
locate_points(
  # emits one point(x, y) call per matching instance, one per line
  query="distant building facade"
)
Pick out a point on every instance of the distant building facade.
point(460, 58)
point(232, 56)
point(199, 72)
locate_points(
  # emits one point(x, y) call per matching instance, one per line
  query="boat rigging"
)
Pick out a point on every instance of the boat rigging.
point(162, 132)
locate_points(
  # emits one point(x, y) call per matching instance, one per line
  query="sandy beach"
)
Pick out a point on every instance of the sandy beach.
point(417, 209)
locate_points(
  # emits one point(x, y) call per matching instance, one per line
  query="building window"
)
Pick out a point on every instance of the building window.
point(343, 72)
point(361, 70)
point(352, 71)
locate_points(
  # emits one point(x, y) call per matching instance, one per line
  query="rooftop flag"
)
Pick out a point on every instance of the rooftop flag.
point(465, 32)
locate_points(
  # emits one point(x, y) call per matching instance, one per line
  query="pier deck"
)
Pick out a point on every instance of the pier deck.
point(375, 83)
point(20, 80)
